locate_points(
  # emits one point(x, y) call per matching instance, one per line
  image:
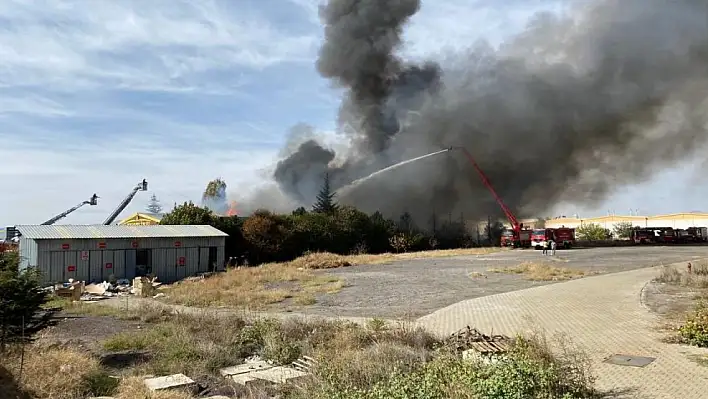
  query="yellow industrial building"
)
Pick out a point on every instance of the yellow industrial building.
point(141, 219)
point(674, 220)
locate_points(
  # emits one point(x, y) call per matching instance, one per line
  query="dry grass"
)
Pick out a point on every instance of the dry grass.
point(134, 388)
point(273, 283)
point(541, 271)
point(54, 373)
point(697, 279)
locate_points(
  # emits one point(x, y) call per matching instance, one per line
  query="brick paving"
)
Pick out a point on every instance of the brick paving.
point(602, 314)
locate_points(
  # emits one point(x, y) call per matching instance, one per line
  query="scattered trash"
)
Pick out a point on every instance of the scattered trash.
point(94, 292)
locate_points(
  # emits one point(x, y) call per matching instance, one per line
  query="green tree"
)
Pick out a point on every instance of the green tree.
point(21, 300)
point(154, 205)
point(592, 232)
point(325, 199)
point(214, 196)
point(623, 230)
point(188, 213)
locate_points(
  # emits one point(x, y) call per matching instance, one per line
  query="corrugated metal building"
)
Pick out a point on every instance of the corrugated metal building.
point(94, 253)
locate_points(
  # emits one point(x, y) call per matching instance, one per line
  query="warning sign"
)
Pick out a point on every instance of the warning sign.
point(65, 246)
point(71, 268)
point(181, 261)
point(84, 255)
point(102, 245)
point(109, 265)
point(134, 244)
point(178, 244)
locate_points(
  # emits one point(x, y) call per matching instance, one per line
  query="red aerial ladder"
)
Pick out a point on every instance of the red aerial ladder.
point(519, 236)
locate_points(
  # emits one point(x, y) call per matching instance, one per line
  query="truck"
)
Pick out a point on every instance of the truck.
point(563, 236)
point(518, 236)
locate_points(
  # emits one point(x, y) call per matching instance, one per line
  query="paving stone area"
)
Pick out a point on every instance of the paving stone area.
point(413, 288)
point(603, 314)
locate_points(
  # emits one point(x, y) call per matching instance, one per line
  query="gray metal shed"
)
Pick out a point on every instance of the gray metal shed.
point(95, 253)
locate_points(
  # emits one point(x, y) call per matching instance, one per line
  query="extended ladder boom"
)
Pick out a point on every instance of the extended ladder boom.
point(516, 226)
point(142, 186)
point(92, 201)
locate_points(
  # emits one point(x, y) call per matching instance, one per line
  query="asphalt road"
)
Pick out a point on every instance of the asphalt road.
point(413, 288)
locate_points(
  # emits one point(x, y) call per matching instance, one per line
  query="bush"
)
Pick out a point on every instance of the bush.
point(530, 371)
point(695, 330)
point(268, 237)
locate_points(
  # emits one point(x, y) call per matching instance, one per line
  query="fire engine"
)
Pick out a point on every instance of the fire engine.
point(563, 236)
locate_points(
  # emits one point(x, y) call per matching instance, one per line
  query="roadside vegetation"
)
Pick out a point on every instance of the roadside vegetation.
point(375, 360)
point(541, 271)
point(693, 326)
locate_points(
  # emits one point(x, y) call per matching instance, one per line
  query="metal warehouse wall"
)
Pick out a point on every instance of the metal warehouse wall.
point(96, 260)
point(28, 252)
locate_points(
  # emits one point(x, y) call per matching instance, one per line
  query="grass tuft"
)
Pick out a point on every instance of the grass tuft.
point(535, 271)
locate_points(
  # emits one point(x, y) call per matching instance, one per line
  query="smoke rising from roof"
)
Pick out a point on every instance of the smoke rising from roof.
point(569, 110)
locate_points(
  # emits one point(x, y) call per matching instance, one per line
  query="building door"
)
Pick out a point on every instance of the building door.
point(143, 264)
point(212, 259)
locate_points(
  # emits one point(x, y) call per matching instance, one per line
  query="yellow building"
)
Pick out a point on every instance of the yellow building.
point(674, 220)
point(141, 219)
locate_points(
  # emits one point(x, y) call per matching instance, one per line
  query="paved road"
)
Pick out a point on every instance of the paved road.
point(413, 288)
point(603, 314)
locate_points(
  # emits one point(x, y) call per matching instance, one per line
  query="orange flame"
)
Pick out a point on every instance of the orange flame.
point(232, 209)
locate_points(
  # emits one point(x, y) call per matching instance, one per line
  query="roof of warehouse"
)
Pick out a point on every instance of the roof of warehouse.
point(57, 232)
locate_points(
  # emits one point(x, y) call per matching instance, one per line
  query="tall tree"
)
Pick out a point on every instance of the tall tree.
point(214, 196)
point(154, 205)
point(324, 202)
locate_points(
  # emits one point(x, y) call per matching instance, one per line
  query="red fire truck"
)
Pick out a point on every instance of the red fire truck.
point(563, 236)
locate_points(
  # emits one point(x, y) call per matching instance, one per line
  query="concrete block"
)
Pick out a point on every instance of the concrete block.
point(278, 375)
point(245, 368)
point(175, 381)
point(248, 381)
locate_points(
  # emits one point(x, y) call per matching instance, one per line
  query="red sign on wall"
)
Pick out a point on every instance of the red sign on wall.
point(109, 265)
point(65, 246)
point(134, 244)
point(71, 268)
point(102, 245)
point(178, 244)
point(181, 261)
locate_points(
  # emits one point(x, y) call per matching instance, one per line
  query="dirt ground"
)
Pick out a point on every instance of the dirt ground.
point(414, 288)
point(85, 331)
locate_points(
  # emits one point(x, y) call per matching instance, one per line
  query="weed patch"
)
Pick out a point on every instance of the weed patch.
point(541, 272)
point(695, 330)
point(58, 373)
point(259, 287)
point(697, 279)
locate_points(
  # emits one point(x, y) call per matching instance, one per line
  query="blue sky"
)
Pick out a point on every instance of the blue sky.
point(96, 95)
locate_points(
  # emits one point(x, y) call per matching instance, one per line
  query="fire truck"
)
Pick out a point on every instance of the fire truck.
point(518, 236)
point(692, 235)
point(563, 236)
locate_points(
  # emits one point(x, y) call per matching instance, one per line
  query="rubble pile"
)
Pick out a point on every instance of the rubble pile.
point(473, 344)
point(80, 291)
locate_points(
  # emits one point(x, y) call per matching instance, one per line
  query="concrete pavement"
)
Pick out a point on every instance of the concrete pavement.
point(602, 314)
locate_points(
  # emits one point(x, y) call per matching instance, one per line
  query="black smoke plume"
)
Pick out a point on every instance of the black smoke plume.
point(571, 109)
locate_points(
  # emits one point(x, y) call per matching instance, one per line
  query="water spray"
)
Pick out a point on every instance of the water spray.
point(357, 182)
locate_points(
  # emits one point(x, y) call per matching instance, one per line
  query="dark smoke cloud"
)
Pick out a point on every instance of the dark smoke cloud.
point(570, 110)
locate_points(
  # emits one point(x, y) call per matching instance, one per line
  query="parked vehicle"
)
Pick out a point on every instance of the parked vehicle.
point(563, 236)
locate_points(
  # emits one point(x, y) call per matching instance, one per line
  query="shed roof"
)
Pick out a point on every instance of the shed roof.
point(57, 232)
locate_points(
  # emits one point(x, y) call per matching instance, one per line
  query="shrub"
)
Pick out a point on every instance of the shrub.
point(695, 329)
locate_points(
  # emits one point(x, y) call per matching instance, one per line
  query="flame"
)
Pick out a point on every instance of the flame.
point(232, 209)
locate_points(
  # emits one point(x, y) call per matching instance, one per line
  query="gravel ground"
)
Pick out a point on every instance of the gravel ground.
point(414, 288)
